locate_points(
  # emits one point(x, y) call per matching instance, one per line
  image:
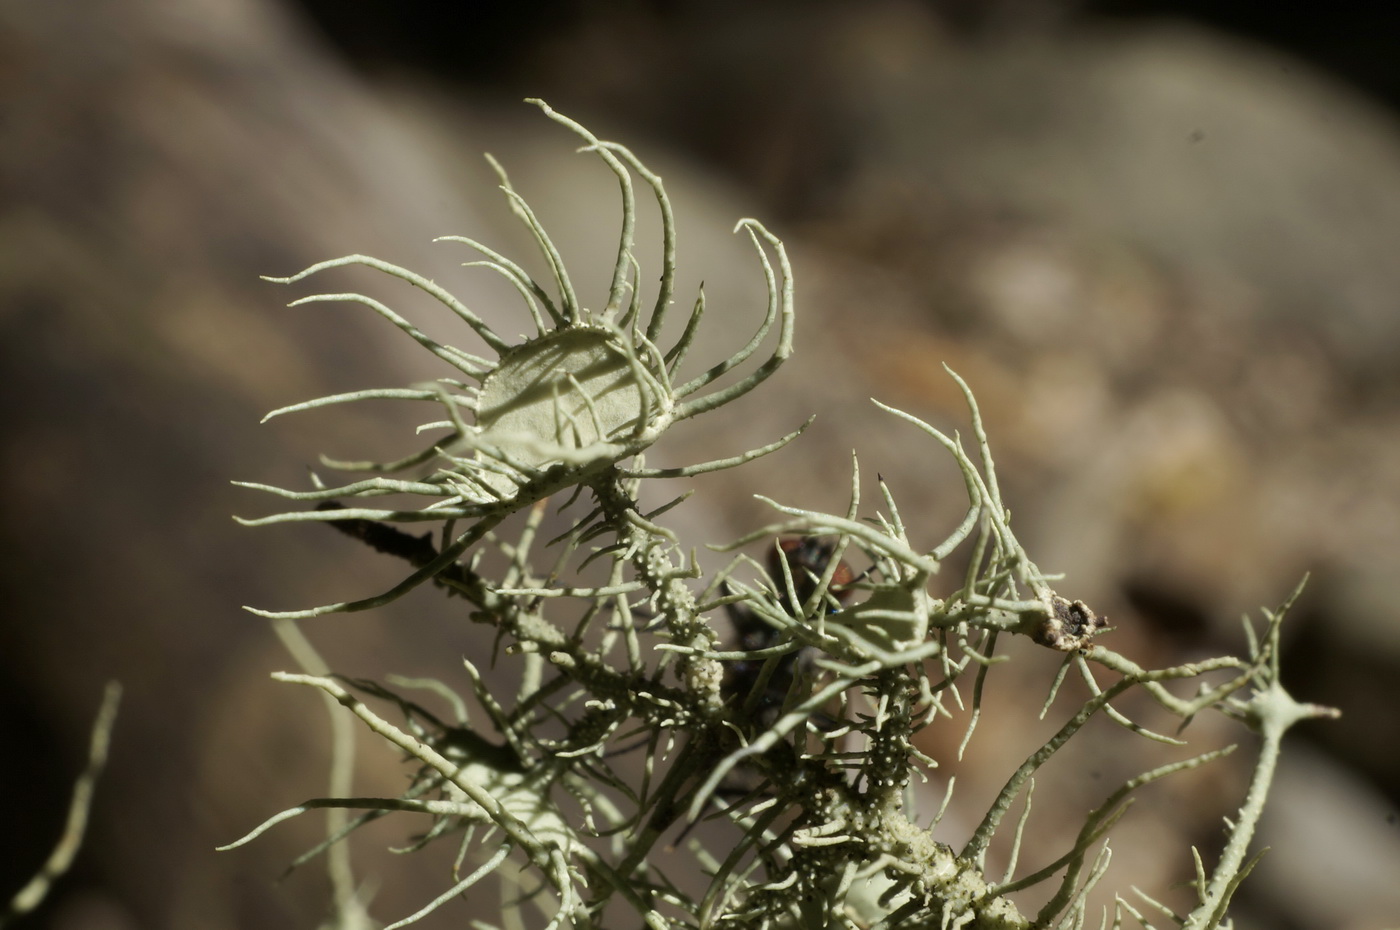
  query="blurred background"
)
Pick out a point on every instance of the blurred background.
point(1157, 238)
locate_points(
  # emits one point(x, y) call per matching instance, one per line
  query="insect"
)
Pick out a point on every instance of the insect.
point(807, 558)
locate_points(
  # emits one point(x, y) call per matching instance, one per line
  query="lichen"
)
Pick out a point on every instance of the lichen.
point(802, 737)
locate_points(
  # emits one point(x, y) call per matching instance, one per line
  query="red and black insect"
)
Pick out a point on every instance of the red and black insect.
point(807, 558)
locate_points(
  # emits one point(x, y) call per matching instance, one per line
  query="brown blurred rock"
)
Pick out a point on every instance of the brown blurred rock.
point(154, 160)
point(1162, 261)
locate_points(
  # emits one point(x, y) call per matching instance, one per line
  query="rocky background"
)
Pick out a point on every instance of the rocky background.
point(1161, 249)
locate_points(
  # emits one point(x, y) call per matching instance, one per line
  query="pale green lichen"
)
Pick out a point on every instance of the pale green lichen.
point(802, 736)
point(79, 809)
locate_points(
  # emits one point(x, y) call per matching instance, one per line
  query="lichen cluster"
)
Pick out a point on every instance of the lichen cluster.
point(637, 714)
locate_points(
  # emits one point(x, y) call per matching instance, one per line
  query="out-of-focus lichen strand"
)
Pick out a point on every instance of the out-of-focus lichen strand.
point(632, 719)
